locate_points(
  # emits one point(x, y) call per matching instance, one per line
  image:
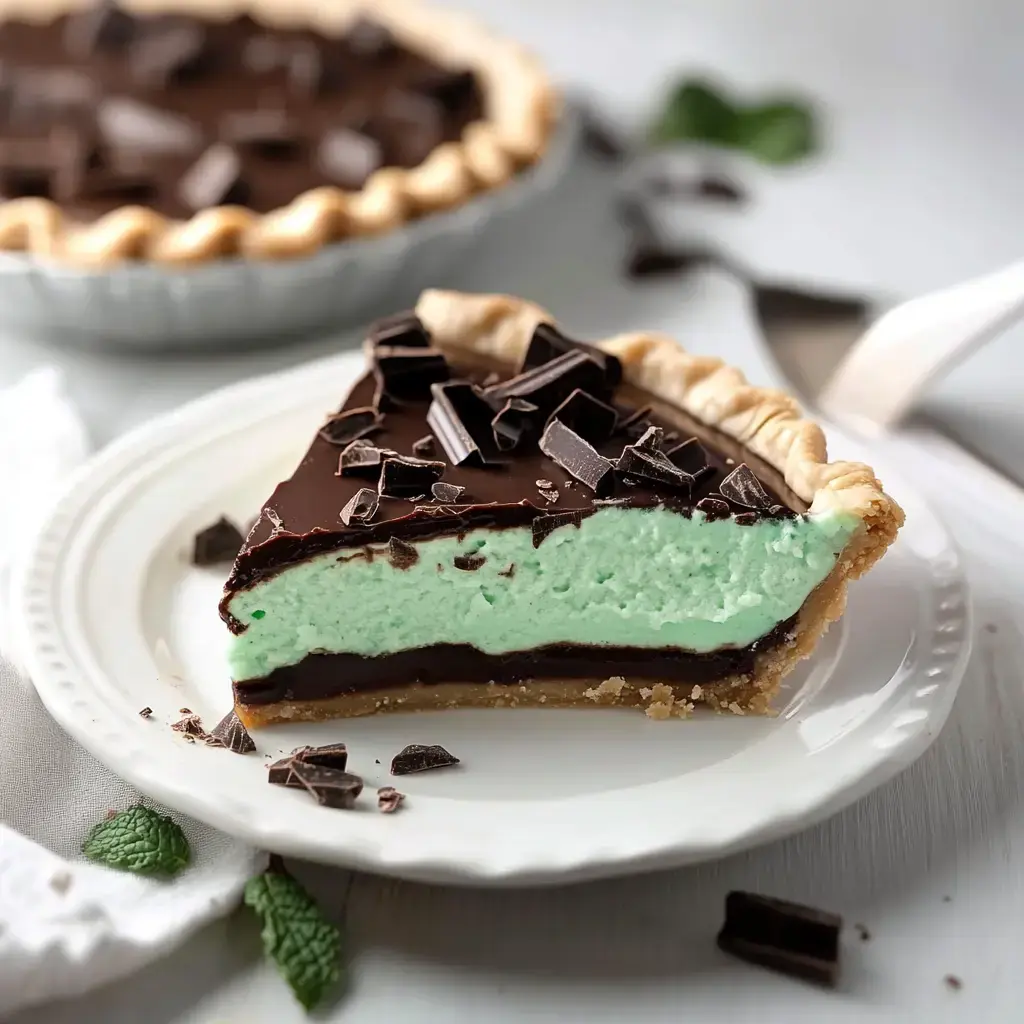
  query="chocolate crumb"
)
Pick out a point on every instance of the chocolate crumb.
point(953, 982)
point(402, 555)
point(468, 563)
point(229, 732)
point(419, 758)
point(376, 760)
point(544, 485)
point(217, 544)
point(190, 726)
point(425, 446)
point(145, 712)
point(509, 571)
point(184, 711)
point(389, 799)
point(862, 933)
point(549, 496)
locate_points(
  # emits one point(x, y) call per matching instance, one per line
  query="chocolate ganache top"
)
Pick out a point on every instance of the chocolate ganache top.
point(102, 108)
point(422, 448)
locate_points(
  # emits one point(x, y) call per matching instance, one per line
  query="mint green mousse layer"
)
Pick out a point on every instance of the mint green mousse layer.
point(642, 578)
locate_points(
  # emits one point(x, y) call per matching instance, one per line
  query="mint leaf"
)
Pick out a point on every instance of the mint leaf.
point(696, 112)
point(138, 840)
point(780, 132)
point(296, 936)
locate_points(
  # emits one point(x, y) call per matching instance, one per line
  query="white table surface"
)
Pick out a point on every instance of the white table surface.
point(919, 187)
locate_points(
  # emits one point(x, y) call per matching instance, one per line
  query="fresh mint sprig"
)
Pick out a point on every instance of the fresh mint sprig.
point(139, 840)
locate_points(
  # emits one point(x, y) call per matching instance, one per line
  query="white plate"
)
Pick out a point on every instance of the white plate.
point(114, 618)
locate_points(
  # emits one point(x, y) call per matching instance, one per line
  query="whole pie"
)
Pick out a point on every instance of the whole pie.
point(499, 514)
point(189, 130)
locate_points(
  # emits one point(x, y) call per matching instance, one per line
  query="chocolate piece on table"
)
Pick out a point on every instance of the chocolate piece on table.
point(516, 422)
point(401, 330)
point(331, 787)
point(461, 420)
point(215, 179)
point(649, 465)
point(468, 563)
point(547, 343)
point(402, 555)
point(351, 425)
point(169, 52)
point(588, 416)
point(406, 374)
point(348, 157)
point(786, 937)
point(714, 508)
point(419, 758)
point(389, 799)
point(271, 134)
point(229, 732)
point(406, 477)
point(549, 385)
point(361, 458)
point(217, 544)
point(544, 526)
point(742, 488)
point(104, 26)
point(578, 458)
point(445, 492)
point(360, 508)
point(425, 446)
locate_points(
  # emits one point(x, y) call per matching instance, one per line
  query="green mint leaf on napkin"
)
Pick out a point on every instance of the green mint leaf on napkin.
point(696, 112)
point(296, 936)
point(780, 132)
point(138, 840)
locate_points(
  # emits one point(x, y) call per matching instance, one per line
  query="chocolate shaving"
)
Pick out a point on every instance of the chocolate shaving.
point(400, 330)
point(406, 374)
point(389, 799)
point(402, 555)
point(360, 508)
point(461, 421)
point(345, 427)
point(362, 458)
point(742, 488)
point(145, 712)
point(129, 124)
point(547, 343)
point(425, 446)
point(714, 508)
point(590, 418)
point(549, 385)
point(468, 563)
point(217, 544)
point(230, 733)
point(215, 179)
point(578, 458)
point(419, 758)
point(446, 492)
point(405, 477)
point(332, 788)
point(515, 423)
point(648, 465)
point(543, 526)
point(348, 157)
point(786, 937)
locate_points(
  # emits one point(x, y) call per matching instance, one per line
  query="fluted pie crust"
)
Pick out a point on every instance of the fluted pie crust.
point(521, 110)
point(765, 422)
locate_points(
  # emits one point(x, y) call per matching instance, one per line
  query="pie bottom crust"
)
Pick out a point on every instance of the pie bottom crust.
point(742, 694)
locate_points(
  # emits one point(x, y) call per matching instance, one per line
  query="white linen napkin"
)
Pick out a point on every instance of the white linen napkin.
point(67, 925)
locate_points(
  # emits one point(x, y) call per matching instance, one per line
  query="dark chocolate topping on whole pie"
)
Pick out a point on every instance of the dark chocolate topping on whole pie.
point(104, 107)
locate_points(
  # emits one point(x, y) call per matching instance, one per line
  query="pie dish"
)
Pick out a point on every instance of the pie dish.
point(181, 133)
point(501, 515)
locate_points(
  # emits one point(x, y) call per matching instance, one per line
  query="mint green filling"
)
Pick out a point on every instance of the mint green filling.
point(643, 578)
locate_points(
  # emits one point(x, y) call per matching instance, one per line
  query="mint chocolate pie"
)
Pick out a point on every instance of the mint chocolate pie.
point(499, 514)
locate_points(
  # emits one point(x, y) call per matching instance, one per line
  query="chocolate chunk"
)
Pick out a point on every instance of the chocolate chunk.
point(651, 439)
point(549, 495)
point(714, 508)
point(690, 457)
point(448, 493)
point(101, 27)
point(280, 772)
point(629, 418)
point(544, 526)
point(348, 157)
point(362, 458)
point(332, 788)
point(215, 179)
point(360, 508)
point(785, 937)
point(468, 563)
point(515, 423)
point(578, 458)
point(549, 385)
point(217, 544)
point(401, 330)
point(406, 374)
point(171, 51)
point(585, 415)
point(330, 755)
point(509, 571)
point(230, 733)
point(461, 420)
point(650, 466)
point(190, 725)
point(781, 512)
point(742, 488)
point(127, 123)
point(419, 758)
point(370, 40)
point(746, 518)
point(145, 712)
point(547, 343)
point(270, 134)
point(405, 477)
point(345, 427)
point(402, 555)
point(424, 446)
point(389, 799)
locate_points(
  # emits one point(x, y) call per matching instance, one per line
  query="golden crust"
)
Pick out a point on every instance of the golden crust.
point(521, 109)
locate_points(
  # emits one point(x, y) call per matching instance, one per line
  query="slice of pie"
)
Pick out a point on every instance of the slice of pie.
point(501, 515)
point(189, 130)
